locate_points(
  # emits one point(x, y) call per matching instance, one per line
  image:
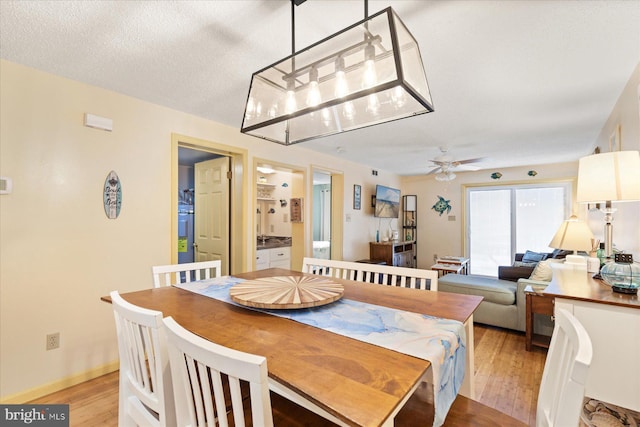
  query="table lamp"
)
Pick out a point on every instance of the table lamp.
point(606, 178)
point(573, 235)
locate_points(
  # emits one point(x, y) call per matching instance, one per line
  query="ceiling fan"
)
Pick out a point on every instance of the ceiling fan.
point(445, 165)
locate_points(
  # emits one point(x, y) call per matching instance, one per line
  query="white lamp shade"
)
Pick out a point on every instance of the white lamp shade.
point(573, 235)
point(611, 176)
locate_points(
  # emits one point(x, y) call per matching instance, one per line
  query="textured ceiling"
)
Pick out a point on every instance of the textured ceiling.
point(515, 82)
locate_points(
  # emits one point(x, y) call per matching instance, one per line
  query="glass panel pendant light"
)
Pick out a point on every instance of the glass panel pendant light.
point(366, 74)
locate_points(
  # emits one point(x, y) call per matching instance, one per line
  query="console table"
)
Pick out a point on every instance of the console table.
point(397, 254)
point(612, 321)
point(537, 303)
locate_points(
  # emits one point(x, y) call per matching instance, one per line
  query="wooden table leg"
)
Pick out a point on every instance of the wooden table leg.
point(468, 388)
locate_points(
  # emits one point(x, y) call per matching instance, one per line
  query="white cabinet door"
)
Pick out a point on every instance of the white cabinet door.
point(262, 259)
point(614, 376)
point(280, 257)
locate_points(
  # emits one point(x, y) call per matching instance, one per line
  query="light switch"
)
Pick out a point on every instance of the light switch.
point(6, 185)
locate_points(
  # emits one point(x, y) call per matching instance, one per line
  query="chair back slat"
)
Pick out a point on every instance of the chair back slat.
point(145, 389)
point(200, 368)
point(173, 274)
point(373, 273)
point(562, 389)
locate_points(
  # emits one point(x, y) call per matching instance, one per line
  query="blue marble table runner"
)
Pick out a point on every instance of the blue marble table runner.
point(440, 341)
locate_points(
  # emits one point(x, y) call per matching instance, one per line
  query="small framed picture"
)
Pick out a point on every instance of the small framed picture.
point(357, 196)
point(614, 140)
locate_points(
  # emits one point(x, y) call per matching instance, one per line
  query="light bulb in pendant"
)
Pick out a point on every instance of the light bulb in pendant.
point(373, 104)
point(342, 88)
point(398, 97)
point(290, 104)
point(313, 97)
point(273, 111)
point(348, 110)
point(251, 109)
point(369, 77)
point(326, 117)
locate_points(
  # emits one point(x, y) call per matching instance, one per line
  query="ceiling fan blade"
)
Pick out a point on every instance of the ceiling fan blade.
point(434, 170)
point(462, 162)
point(439, 162)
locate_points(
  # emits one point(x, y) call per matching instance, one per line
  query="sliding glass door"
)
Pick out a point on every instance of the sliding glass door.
point(503, 220)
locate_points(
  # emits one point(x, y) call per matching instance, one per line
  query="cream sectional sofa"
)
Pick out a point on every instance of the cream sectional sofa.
point(504, 303)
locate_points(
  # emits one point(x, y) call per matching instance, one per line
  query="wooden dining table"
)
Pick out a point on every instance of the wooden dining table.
point(350, 382)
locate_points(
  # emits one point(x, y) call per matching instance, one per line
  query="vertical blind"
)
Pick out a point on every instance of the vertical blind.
point(503, 220)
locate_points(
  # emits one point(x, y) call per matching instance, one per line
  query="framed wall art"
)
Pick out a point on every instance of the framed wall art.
point(357, 197)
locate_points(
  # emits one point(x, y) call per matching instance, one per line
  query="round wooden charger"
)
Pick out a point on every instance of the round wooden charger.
point(286, 292)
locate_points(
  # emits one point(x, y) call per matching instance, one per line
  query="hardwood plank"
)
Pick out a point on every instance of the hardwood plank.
point(95, 402)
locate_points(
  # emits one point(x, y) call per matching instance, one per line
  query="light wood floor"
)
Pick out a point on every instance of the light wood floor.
point(507, 378)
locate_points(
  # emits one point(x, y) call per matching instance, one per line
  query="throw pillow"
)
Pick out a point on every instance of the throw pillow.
point(524, 264)
point(542, 272)
point(530, 256)
point(560, 253)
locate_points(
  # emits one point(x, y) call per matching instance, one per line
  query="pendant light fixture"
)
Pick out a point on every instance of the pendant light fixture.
point(367, 74)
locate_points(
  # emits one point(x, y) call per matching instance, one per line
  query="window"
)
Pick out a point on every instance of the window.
point(503, 220)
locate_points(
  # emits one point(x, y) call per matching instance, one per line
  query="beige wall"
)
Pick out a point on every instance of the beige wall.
point(59, 253)
point(438, 235)
point(626, 220)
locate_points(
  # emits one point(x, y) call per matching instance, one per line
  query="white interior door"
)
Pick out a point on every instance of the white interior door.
point(211, 207)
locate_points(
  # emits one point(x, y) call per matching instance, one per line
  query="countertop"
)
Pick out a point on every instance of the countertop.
point(580, 285)
point(271, 242)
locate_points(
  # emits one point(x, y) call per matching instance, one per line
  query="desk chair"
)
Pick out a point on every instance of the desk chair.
point(561, 393)
point(145, 391)
point(167, 275)
point(202, 370)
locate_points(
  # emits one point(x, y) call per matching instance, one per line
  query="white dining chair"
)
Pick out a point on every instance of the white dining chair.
point(172, 274)
point(372, 273)
point(208, 381)
point(565, 373)
point(145, 390)
point(561, 394)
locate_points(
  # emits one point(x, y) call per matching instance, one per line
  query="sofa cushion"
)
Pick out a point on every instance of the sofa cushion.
point(524, 264)
point(492, 289)
point(543, 272)
point(530, 256)
point(560, 253)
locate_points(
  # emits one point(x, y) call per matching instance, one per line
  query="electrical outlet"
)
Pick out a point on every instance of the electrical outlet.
point(53, 341)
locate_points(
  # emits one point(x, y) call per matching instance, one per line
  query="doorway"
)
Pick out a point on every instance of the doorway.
point(327, 212)
point(215, 171)
point(187, 160)
point(321, 219)
point(278, 188)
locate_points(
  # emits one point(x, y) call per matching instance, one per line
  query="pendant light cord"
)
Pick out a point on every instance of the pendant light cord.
point(293, 27)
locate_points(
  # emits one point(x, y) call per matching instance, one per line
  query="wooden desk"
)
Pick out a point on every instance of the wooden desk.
point(357, 383)
point(613, 323)
point(442, 269)
point(455, 260)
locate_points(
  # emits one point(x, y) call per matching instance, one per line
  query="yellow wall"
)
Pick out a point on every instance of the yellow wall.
point(438, 235)
point(58, 251)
